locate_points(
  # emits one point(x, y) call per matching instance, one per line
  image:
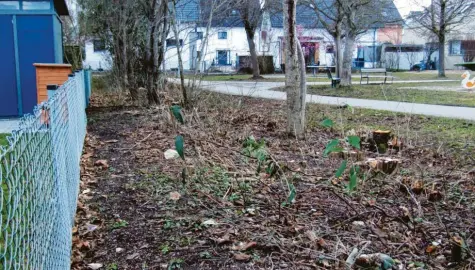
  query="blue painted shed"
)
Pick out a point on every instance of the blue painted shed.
point(30, 32)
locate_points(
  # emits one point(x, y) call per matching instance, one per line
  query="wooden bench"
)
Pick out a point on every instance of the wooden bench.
point(368, 73)
point(335, 81)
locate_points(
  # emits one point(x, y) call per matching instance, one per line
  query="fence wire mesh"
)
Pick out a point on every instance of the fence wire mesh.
point(39, 172)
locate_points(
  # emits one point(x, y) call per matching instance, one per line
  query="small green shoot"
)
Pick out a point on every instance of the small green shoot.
point(119, 224)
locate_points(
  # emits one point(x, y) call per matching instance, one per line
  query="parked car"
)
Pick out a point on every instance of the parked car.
point(423, 65)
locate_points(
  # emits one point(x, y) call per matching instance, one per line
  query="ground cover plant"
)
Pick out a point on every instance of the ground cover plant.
point(247, 196)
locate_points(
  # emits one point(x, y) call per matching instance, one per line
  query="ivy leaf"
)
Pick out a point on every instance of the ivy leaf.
point(353, 177)
point(176, 110)
point(179, 146)
point(342, 168)
point(355, 141)
point(331, 147)
point(328, 123)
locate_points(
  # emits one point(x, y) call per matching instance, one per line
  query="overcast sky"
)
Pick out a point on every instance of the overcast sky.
point(405, 6)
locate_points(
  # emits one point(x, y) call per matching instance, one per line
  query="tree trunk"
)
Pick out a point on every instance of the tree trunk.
point(338, 54)
point(347, 59)
point(250, 32)
point(294, 79)
point(150, 46)
point(442, 29)
point(178, 51)
point(441, 70)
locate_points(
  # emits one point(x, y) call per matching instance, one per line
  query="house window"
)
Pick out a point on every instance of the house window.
point(171, 42)
point(10, 5)
point(36, 5)
point(222, 35)
point(223, 58)
point(330, 49)
point(199, 35)
point(455, 47)
point(99, 45)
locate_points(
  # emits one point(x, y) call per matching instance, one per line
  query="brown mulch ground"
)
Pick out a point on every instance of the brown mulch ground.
point(228, 216)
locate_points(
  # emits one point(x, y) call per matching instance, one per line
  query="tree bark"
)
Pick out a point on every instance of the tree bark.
point(347, 59)
point(250, 32)
point(180, 60)
point(338, 54)
point(442, 29)
point(294, 78)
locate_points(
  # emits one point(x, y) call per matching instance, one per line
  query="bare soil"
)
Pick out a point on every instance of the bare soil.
point(228, 216)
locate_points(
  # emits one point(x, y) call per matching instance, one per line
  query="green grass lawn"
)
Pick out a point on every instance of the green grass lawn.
point(246, 77)
point(395, 93)
point(399, 76)
point(3, 139)
point(452, 132)
point(426, 75)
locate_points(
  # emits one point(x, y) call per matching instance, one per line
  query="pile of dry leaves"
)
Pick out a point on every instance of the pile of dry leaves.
point(138, 210)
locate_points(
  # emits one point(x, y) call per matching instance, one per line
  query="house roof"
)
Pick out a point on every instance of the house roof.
point(199, 10)
point(61, 7)
point(307, 18)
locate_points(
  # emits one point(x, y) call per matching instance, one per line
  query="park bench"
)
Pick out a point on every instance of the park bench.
point(368, 73)
point(335, 81)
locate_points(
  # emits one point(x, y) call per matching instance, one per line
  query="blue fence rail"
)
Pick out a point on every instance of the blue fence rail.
point(40, 173)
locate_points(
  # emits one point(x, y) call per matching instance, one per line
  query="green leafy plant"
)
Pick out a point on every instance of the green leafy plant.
point(179, 145)
point(205, 255)
point(165, 248)
point(112, 266)
point(353, 178)
point(292, 195)
point(175, 263)
point(354, 141)
point(176, 111)
point(328, 123)
point(257, 150)
point(168, 224)
point(119, 224)
point(334, 146)
point(342, 168)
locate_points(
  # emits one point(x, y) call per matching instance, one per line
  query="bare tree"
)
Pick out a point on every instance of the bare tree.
point(251, 12)
point(295, 81)
point(360, 15)
point(135, 34)
point(441, 18)
point(331, 17)
point(178, 51)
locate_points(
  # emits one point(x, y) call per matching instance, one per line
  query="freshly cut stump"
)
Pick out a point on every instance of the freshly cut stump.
point(383, 164)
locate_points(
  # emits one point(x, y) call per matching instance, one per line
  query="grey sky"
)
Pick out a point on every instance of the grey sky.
point(405, 6)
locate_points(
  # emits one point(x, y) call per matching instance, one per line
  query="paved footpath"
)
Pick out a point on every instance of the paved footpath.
point(8, 125)
point(262, 90)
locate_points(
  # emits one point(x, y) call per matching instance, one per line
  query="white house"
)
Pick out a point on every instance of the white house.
point(460, 42)
point(97, 57)
point(227, 44)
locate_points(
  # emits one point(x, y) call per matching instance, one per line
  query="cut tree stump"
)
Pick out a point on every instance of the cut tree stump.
point(383, 164)
point(380, 141)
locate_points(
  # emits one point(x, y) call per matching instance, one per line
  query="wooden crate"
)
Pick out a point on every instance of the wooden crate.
point(50, 74)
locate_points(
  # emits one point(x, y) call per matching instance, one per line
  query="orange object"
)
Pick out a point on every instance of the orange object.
point(50, 74)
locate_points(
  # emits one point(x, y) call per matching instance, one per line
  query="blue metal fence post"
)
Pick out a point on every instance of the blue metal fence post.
point(88, 83)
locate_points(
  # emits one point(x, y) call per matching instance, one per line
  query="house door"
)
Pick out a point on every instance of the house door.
point(223, 58)
point(8, 87)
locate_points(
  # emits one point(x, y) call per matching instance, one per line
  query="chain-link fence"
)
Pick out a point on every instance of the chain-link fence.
point(40, 181)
